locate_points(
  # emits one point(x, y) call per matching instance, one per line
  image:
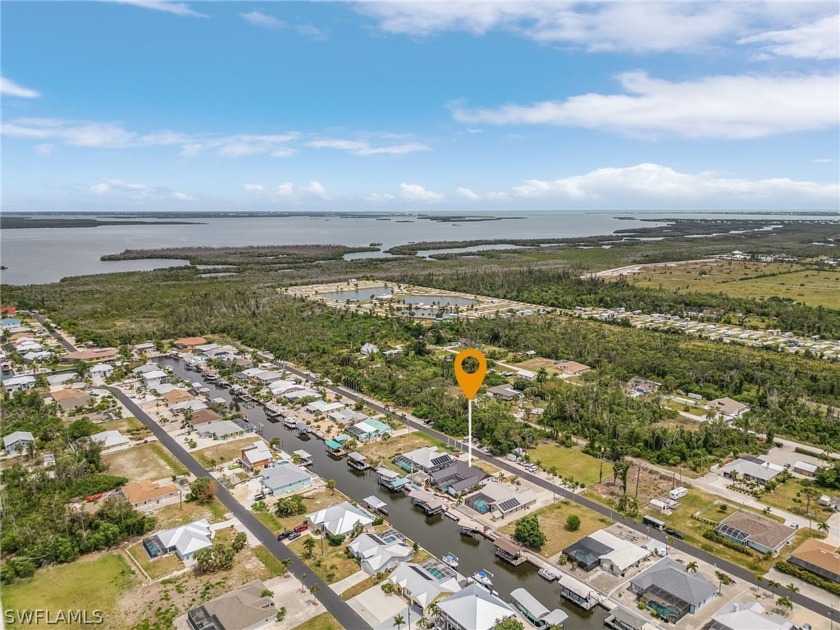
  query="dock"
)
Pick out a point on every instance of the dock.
point(509, 551)
point(357, 461)
point(427, 501)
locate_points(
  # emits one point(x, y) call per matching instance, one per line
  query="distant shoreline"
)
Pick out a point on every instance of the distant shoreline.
point(22, 223)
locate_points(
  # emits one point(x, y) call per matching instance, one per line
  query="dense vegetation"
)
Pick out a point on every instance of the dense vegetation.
point(39, 525)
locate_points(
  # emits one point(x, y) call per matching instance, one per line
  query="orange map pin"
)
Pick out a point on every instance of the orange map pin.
point(470, 383)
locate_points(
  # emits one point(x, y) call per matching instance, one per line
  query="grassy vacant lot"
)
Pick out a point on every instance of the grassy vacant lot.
point(324, 621)
point(314, 501)
point(570, 462)
point(553, 523)
point(88, 584)
point(386, 450)
point(331, 564)
point(126, 425)
point(784, 497)
point(147, 461)
point(222, 451)
point(536, 363)
point(157, 568)
point(188, 511)
point(361, 587)
point(271, 563)
point(744, 279)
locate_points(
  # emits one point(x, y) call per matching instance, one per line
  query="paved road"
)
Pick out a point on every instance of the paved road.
point(67, 345)
point(339, 609)
point(723, 565)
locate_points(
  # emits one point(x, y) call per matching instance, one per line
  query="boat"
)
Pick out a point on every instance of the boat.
point(547, 574)
point(483, 577)
point(451, 559)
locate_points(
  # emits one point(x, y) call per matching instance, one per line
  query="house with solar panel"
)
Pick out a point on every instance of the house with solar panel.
point(671, 591)
point(458, 477)
point(499, 500)
point(427, 459)
point(755, 532)
point(607, 551)
point(368, 429)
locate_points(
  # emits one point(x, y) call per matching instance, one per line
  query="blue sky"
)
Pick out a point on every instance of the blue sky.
point(156, 105)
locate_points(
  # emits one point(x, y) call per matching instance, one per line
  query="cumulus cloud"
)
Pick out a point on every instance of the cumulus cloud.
point(288, 191)
point(258, 18)
point(415, 192)
point(735, 107)
point(599, 26)
point(10, 88)
point(817, 40)
point(468, 194)
point(177, 8)
point(655, 183)
point(365, 148)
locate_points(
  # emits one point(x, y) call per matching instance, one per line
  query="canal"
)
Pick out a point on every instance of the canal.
point(439, 535)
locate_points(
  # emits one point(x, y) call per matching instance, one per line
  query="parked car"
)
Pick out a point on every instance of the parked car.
point(285, 535)
point(673, 532)
point(293, 536)
point(301, 528)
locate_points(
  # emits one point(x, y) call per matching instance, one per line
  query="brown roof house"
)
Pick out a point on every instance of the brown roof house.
point(91, 355)
point(243, 609)
point(203, 416)
point(571, 368)
point(728, 408)
point(148, 495)
point(188, 343)
point(817, 557)
point(755, 531)
point(70, 398)
point(175, 396)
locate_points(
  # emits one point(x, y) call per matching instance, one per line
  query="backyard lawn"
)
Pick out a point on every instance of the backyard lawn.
point(784, 497)
point(553, 523)
point(386, 450)
point(222, 451)
point(157, 568)
point(324, 621)
point(329, 563)
point(570, 462)
point(86, 584)
point(361, 587)
point(139, 463)
point(188, 511)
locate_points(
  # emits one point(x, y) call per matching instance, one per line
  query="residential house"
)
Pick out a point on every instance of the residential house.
point(300, 394)
point(188, 343)
point(281, 388)
point(267, 377)
point(380, 552)
point(804, 468)
point(147, 495)
point(457, 477)
point(727, 408)
point(752, 616)
point(368, 349)
point(504, 392)
point(100, 371)
point(323, 406)
point(175, 396)
point(219, 429)
point(17, 442)
point(751, 469)
point(819, 558)
point(154, 377)
point(39, 355)
point(145, 368)
point(194, 404)
point(347, 416)
point(756, 532)
point(500, 499)
point(368, 429)
point(340, 519)
point(571, 368)
point(203, 416)
point(91, 355)
point(256, 457)
point(603, 549)
point(245, 608)
point(70, 398)
point(623, 618)
point(284, 478)
point(109, 439)
point(472, 608)
point(185, 540)
point(19, 383)
point(425, 458)
point(638, 386)
point(420, 586)
point(671, 591)
point(8, 322)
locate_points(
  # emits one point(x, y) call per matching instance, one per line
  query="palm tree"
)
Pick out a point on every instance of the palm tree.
point(309, 545)
point(542, 375)
point(399, 620)
point(793, 588)
point(784, 604)
point(433, 610)
point(822, 527)
point(314, 589)
point(771, 584)
point(691, 567)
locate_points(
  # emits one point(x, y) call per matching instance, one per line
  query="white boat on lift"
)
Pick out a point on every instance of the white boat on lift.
point(451, 559)
point(483, 577)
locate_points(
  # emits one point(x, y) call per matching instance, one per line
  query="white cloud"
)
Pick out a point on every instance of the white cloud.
point(823, 161)
point(596, 26)
point(735, 107)
point(44, 149)
point(176, 8)
point(657, 184)
point(817, 40)
point(10, 88)
point(258, 18)
point(137, 193)
point(415, 192)
point(468, 194)
point(365, 148)
point(315, 189)
point(288, 191)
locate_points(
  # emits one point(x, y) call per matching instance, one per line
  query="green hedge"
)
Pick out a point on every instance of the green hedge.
point(716, 538)
point(807, 576)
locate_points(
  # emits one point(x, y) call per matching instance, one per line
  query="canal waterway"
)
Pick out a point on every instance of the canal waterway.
point(438, 534)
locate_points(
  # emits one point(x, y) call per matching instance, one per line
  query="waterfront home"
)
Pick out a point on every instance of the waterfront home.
point(91, 355)
point(380, 552)
point(603, 549)
point(17, 442)
point(300, 394)
point(426, 458)
point(246, 608)
point(192, 405)
point(752, 616)
point(756, 532)
point(255, 457)
point(339, 519)
point(368, 430)
point(284, 478)
point(154, 377)
point(147, 495)
point(19, 383)
point(219, 429)
point(323, 406)
point(100, 371)
point(203, 416)
point(188, 343)
point(184, 540)
point(500, 499)
point(671, 591)
point(459, 477)
point(347, 416)
point(420, 586)
point(472, 608)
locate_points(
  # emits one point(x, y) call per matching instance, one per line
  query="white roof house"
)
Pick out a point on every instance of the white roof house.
point(473, 608)
point(186, 539)
point(804, 468)
point(340, 519)
point(41, 355)
point(257, 454)
point(18, 383)
point(154, 377)
point(145, 369)
point(192, 405)
point(758, 471)
point(109, 439)
point(302, 393)
point(735, 616)
point(323, 406)
point(420, 586)
point(377, 554)
point(279, 388)
point(624, 554)
point(16, 442)
point(369, 349)
point(100, 369)
point(347, 416)
point(219, 428)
